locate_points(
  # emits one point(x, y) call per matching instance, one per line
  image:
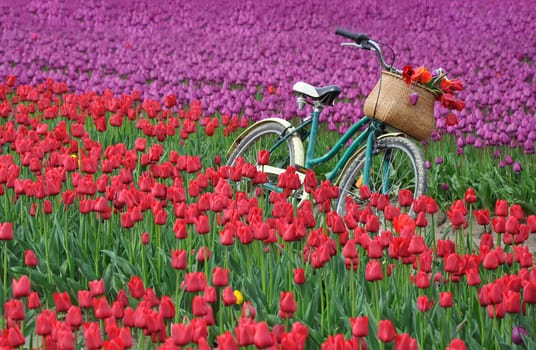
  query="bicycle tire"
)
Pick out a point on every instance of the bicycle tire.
point(406, 171)
point(264, 136)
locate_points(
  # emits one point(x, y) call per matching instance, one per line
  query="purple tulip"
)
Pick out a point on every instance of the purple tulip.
point(516, 167)
point(414, 98)
point(518, 333)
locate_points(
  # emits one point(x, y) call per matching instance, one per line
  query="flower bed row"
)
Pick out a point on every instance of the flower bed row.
point(121, 228)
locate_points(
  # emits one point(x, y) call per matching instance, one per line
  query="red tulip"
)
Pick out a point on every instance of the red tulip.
point(422, 280)
point(405, 198)
point(135, 287)
point(118, 311)
point(195, 282)
point(74, 317)
point(501, 207)
point(226, 341)
point(299, 276)
point(84, 299)
point(220, 277)
point(496, 311)
point(512, 302)
point(470, 196)
point(386, 331)
point(445, 247)
point(263, 157)
point(391, 212)
point(373, 271)
point(416, 245)
point(529, 292)
point(424, 303)
point(373, 224)
point(374, 249)
point(228, 296)
point(511, 225)
point(517, 211)
point(202, 225)
point(170, 101)
point(92, 336)
point(473, 277)
point(287, 305)
point(14, 337)
point(482, 216)
point(457, 217)
point(199, 306)
point(421, 220)
point(44, 322)
point(102, 308)
point(445, 299)
point(181, 333)
point(456, 344)
point(125, 336)
point(245, 332)
point(491, 261)
point(405, 342)
point(33, 301)
point(62, 301)
point(359, 326)
point(30, 259)
point(14, 310)
point(310, 181)
point(21, 287)
point(6, 231)
point(203, 254)
point(210, 295)
point(179, 259)
point(262, 337)
point(64, 336)
point(96, 287)
point(531, 223)
point(498, 224)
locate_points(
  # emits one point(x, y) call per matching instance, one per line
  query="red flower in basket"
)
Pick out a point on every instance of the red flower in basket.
point(444, 89)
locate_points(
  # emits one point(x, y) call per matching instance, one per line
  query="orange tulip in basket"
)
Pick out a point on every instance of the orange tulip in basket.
point(406, 102)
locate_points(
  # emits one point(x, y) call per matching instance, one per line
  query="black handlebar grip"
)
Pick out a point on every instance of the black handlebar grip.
point(357, 37)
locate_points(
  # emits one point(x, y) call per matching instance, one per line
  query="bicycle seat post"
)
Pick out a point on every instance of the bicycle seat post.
point(317, 109)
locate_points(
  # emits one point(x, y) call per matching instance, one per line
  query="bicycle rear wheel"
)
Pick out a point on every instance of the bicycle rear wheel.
point(397, 163)
point(264, 137)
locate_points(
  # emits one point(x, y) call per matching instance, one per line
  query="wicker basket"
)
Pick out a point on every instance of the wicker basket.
point(394, 108)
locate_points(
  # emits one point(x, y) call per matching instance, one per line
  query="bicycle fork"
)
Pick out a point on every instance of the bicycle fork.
point(385, 168)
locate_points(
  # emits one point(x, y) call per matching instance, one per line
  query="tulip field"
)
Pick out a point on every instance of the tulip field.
point(122, 227)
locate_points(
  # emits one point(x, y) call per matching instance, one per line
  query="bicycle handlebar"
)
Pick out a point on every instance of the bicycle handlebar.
point(363, 41)
point(359, 38)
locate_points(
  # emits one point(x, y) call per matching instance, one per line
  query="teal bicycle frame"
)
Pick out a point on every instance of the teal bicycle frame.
point(368, 135)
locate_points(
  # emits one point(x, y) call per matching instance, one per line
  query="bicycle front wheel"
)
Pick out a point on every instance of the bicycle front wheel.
point(397, 163)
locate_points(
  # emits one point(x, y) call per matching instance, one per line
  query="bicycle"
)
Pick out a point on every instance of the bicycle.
point(384, 160)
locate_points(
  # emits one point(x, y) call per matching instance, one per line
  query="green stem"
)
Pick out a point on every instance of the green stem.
point(143, 269)
point(352, 298)
point(263, 270)
point(97, 249)
point(158, 255)
point(47, 247)
point(67, 248)
point(4, 285)
point(177, 307)
point(421, 330)
point(470, 233)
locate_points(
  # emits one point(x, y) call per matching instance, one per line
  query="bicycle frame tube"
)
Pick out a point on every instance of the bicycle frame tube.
point(310, 161)
point(368, 136)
